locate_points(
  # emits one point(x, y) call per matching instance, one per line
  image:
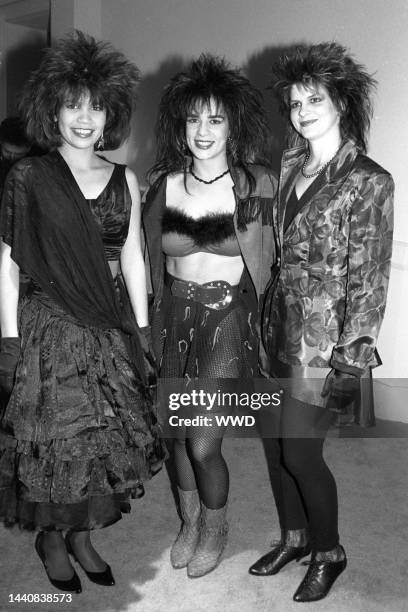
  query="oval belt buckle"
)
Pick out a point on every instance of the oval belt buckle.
point(223, 302)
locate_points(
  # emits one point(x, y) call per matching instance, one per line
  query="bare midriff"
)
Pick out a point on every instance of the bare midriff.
point(206, 267)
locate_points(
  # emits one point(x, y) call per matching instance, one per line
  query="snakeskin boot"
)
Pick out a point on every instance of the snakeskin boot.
point(213, 538)
point(186, 542)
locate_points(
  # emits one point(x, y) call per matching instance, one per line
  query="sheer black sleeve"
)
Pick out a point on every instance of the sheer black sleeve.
point(14, 203)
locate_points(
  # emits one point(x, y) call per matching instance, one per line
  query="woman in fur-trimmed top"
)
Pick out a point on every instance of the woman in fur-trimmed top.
point(208, 224)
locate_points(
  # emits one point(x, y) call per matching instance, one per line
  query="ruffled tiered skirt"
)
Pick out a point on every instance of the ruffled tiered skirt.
point(79, 433)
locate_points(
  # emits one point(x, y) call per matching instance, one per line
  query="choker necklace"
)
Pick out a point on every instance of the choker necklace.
point(319, 170)
point(197, 178)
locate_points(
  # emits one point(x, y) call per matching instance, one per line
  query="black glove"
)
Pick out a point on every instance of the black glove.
point(150, 364)
point(9, 356)
point(340, 389)
point(146, 331)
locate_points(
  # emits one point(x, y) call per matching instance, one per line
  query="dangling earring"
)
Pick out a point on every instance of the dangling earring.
point(55, 124)
point(100, 145)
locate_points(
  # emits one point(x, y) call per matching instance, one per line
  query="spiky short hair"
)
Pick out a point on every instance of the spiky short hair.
point(205, 79)
point(79, 64)
point(348, 83)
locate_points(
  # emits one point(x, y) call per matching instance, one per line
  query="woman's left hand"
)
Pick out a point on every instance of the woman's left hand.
point(340, 388)
point(151, 368)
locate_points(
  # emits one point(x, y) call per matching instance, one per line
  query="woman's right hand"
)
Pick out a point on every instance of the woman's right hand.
point(9, 356)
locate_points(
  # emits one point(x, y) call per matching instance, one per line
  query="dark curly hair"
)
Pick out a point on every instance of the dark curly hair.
point(79, 64)
point(348, 83)
point(205, 79)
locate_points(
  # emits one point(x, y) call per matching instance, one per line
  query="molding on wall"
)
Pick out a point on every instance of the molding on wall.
point(391, 399)
point(21, 8)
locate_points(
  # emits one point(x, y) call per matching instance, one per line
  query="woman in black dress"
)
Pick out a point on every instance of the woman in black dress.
point(79, 432)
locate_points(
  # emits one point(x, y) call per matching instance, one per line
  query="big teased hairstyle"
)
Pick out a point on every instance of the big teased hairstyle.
point(347, 82)
point(205, 79)
point(79, 64)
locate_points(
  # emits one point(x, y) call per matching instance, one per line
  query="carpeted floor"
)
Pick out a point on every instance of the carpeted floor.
point(372, 477)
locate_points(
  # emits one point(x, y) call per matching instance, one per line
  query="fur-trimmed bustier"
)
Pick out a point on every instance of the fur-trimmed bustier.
point(183, 235)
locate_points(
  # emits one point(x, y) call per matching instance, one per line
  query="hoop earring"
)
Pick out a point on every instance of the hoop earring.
point(100, 145)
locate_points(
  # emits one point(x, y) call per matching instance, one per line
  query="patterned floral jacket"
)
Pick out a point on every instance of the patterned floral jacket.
point(326, 302)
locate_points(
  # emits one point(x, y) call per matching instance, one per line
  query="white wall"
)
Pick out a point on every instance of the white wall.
point(19, 46)
point(160, 34)
point(24, 46)
point(67, 15)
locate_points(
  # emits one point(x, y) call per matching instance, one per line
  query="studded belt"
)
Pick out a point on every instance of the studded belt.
point(216, 294)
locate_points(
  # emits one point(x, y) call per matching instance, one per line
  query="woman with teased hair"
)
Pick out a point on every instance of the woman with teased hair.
point(79, 432)
point(208, 224)
point(325, 306)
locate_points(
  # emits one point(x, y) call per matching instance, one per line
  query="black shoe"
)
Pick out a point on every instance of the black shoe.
point(319, 579)
point(104, 578)
point(278, 557)
point(72, 585)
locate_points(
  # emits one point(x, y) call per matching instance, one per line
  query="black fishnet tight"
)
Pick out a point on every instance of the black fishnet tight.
point(210, 350)
point(200, 464)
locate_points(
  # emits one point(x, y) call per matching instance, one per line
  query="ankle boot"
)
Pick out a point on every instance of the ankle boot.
point(277, 558)
point(186, 542)
point(213, 538)
point(293, 546)
point(319, 579)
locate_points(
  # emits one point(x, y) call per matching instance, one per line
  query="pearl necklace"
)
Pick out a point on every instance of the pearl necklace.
point(319, 170)
point(197, 178)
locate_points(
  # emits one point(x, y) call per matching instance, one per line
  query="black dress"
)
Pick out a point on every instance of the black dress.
point(79, 433)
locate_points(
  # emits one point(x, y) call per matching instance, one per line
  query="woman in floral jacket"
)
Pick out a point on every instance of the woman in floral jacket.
point(326, 300)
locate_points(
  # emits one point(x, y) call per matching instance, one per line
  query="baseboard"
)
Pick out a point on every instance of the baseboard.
point(391, 399)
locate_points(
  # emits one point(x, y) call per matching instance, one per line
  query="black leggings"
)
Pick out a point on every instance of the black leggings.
point(303, 486)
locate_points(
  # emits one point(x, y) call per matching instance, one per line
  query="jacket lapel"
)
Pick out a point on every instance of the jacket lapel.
point(335, 175)
point(292, 161)
point(152, 214)
point(250, 240)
